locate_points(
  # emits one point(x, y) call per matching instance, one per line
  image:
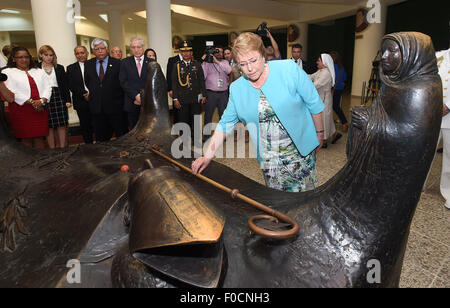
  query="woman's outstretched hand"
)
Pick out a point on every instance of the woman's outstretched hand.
point(200, 164)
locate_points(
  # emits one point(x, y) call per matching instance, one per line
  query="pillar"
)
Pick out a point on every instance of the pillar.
point(116, 31)
point(159, 30)
point(302, 40)
point(54, 25)
point(367, 44)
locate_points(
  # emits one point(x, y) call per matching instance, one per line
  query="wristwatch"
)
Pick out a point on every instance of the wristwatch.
point(43, 103)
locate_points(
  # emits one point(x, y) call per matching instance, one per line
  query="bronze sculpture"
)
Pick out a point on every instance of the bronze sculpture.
point(75, 199)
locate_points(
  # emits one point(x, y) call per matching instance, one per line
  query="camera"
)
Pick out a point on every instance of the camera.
point(210, 51)
point(262, 29)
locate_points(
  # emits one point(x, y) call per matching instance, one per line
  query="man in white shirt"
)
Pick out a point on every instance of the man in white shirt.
point(80, 93)
point(443, 58)
point(297, 50)
point(133, 75)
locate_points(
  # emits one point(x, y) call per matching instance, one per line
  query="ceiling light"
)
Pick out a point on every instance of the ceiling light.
point(9, 11)
point(80, 18)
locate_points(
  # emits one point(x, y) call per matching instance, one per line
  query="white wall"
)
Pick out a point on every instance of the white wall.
point(88, 28)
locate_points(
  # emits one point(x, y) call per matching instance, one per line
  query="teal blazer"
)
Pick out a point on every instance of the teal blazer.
point(293, 97)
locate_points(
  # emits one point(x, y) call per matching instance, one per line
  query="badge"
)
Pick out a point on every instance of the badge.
point(219, 83)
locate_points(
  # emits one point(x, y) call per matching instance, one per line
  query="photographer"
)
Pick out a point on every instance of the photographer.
point(216, 70)
point(272, 51)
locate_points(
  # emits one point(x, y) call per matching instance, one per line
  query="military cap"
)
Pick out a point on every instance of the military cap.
point(186, 46)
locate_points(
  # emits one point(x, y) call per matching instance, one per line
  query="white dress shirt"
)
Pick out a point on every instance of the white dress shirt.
point(82, 74)
point(52, 79)
point(142, 63)
point(142, 60)
point(298, 61)
point(18, 84)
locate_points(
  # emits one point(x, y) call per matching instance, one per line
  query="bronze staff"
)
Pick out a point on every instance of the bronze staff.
point(273, 215)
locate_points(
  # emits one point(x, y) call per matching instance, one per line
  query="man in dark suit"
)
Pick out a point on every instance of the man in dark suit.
point(80, 93)
point(133, 75)
point(297, 50)
point(170, 66)
point(105, 93)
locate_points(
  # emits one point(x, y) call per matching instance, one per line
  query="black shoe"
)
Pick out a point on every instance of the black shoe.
point(440, 150)
point(336, 138)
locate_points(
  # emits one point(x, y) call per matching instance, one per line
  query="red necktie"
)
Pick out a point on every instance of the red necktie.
point(102, 72)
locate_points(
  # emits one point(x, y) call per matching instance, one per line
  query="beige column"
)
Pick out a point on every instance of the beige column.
point(116, 31)
point(54, 25)
point(367, 44)
point(302, 40)
point(159, 30)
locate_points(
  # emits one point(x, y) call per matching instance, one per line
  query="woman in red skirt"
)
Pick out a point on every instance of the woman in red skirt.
point(27, 91)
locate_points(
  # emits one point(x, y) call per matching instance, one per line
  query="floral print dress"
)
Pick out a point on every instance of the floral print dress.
point(283, 166)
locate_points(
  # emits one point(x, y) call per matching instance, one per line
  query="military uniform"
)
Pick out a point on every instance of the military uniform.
point(188, 85)
point(443, 58)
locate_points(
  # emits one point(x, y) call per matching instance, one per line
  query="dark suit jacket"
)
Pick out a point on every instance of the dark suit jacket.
point(131, 83)
point(106, 96)
point(309, 68)
point(63, 83)
point(76, 86)
point(170, 65)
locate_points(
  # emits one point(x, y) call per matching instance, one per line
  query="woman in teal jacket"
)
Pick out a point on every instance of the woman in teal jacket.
point(283, 113)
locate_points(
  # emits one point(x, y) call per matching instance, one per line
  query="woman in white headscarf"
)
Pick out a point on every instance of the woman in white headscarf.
point(323, 80)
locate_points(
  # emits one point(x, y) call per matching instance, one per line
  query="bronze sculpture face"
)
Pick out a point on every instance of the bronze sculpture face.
point(391, 56)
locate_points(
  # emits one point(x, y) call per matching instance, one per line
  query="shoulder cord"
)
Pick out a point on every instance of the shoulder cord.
point(188, 79)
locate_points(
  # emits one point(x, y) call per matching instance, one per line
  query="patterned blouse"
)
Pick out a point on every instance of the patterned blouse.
point(283, 166)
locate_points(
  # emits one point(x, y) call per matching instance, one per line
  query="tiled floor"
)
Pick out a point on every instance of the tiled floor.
point(427, 257)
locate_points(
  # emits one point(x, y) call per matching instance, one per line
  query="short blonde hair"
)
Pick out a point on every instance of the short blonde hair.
point(247, 42)
point(48, 48)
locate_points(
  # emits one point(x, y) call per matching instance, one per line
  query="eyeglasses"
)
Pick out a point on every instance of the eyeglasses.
point(22, 57)
point(251, 62)
point(100, 48)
